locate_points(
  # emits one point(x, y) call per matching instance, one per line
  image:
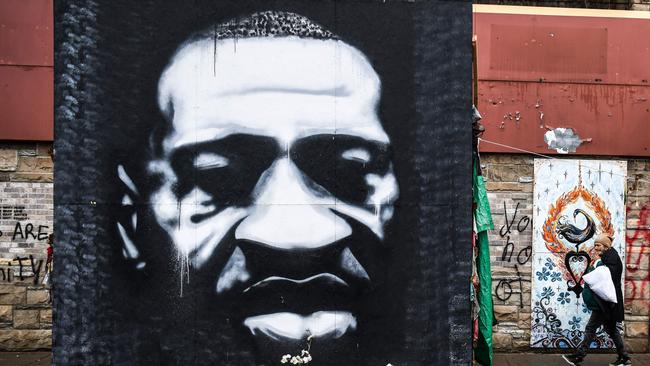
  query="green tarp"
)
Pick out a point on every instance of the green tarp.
point(483, 220)
point(482, 215)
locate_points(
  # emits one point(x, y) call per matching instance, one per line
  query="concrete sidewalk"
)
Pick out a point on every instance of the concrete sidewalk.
point(25, 358)
point(536, 359)
point(500, 359)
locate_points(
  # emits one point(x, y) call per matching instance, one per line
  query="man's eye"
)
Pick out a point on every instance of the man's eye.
point(205, 161)
point(358, 154)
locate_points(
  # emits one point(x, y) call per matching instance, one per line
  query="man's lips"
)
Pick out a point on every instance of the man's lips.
point(323, 278)
point(322, 324)
point(276, 294)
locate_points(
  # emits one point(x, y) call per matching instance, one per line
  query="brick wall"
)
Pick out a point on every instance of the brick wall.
point(509, 181)
point(26, 219)
point(26, 162)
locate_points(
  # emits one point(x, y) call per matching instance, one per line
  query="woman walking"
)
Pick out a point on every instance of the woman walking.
point(603, 312)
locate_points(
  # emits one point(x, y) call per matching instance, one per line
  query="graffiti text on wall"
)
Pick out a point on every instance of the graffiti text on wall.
point(13, 213)
point(22, 230)
point(513, 224)
point(27, 267)
point(28, 231)
point(637, 288)
point(523, 256)
point(504, 290)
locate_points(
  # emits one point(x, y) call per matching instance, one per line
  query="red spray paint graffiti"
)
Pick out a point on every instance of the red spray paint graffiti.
point(638, 287)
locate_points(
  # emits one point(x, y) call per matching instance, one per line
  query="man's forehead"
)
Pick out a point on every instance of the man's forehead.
point(286, 87)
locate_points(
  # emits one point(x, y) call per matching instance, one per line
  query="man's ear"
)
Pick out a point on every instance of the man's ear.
point(127, 220)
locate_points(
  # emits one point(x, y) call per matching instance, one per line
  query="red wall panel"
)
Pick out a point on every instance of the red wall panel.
point(585, 70)
point(26, 98)
point(26, 70)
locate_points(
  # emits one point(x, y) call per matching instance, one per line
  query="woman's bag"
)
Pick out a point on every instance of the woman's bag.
point(600, 282)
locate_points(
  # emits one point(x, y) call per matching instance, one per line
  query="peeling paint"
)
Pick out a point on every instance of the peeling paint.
point(563, 140)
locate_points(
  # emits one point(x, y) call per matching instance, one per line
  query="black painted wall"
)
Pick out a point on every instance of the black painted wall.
point(108, 59)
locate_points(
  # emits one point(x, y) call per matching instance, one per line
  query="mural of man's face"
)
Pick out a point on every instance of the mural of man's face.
point(277, 183)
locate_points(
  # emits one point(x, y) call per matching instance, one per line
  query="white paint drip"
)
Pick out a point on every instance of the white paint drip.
point(184, 270)
point(134, 221)
point(384, 191)
point(129, 249)
point(124, 177)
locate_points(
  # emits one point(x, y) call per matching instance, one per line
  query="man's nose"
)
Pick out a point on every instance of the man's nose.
point(287, 214)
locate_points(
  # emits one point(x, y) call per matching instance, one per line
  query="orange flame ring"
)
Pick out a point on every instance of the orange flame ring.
point(595, 203)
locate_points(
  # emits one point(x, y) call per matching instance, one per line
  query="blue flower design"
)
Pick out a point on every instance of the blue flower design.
point(543, 275)
point(548, 292)
point(575, 322)
point(564, 298)
point(556, 276)
point(585, 309)
point(549, 263)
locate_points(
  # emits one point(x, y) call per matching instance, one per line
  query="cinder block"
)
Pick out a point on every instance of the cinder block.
point(37, 296)
point(26, 319)
point(6, 313)
point(636, 329)
point(502, 341)
point(8, 160)
point(45, 317)
point(12, 294)
point(24, 340)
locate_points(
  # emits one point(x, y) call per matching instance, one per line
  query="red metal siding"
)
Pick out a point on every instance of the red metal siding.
point(26, 70)
point(26, 96)
point(539, 72)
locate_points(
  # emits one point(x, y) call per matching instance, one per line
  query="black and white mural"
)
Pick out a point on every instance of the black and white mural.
point(263, 183)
